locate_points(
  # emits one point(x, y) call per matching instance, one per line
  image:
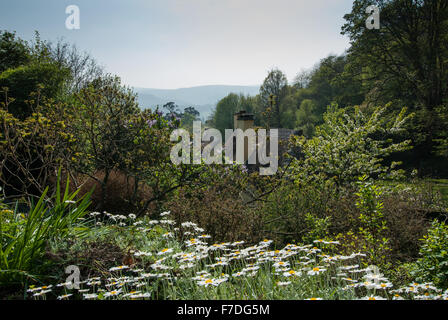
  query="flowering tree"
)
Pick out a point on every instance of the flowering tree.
point(351, 144)
point(115, 136)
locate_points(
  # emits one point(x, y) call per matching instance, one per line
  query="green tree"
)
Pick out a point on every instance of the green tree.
point(14, 52)
point(55, 70)
point(35, 80)
point(222, 117)
point(173, 109)
point(331, 82)
point(407, 53)
point(306, 118)
point(189, 115)
point(100, 121)
point(272, 92)
point(288, 109)
point(405, 61)
point(302, 79)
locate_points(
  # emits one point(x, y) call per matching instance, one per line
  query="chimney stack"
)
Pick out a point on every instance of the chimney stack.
point(243, 120)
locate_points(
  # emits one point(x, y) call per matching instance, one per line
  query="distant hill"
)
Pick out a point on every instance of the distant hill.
point(203, 98)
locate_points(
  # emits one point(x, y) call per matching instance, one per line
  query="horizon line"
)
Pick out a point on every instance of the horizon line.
point(198, 86)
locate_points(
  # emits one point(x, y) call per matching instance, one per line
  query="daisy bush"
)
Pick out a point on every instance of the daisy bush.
point(178, 260)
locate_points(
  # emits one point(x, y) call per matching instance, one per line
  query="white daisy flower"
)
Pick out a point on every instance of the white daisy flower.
point(90, 296)
point(316, 271)
point(41, 293)
point(373, 298)
point(292, 273)
point(283, 283)
point(113, 293)
point(165, 251)
point(141, 295)
point(118, 268)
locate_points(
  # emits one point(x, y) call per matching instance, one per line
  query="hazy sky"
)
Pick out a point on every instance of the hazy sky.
point(184, 43)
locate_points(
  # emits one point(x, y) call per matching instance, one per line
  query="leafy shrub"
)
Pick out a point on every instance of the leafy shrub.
point(298, 212)
point(121, 196)
point(294, 212)
point(220, 207)
point(401, 274)
point(48, 78)
point(407, 222)
point(31, 151)
point(93, 256)
point(433, 264)
point(396, 223)
point(372, 219)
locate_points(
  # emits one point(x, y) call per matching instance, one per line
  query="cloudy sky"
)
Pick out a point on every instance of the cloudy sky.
point(185, 43)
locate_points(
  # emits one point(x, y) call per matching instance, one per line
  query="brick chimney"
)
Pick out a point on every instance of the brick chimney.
point(243, 120)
